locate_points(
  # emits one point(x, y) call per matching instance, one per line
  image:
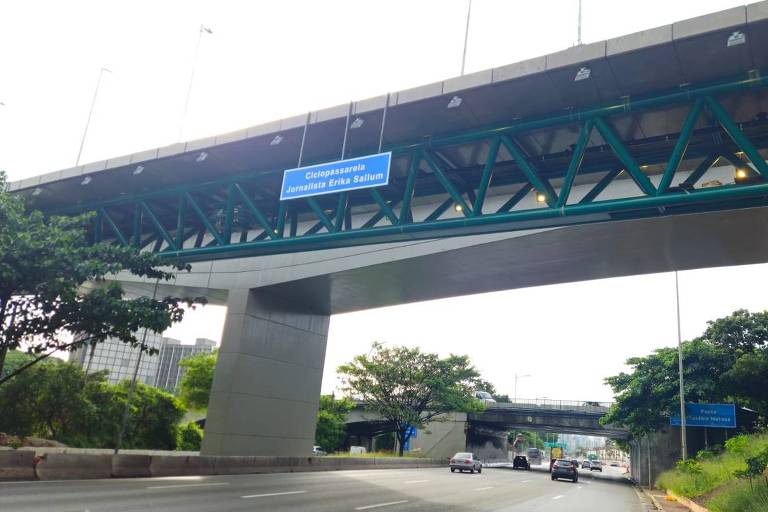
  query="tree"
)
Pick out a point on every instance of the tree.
point(410, 388)
point(728, 363)
point(54, 400)
point(14, 359)
point(195, 387)
point(190, 438)
point(331, 422)
point(53, 285)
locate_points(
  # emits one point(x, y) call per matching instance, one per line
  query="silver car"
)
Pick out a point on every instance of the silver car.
point(465, 461)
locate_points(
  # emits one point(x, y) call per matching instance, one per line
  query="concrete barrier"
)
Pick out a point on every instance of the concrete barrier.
point(131, 466)
point(20, 465)
point(65, 466)
point(15, 465)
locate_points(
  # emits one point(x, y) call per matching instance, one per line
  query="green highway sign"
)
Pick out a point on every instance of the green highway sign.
point(556, 445)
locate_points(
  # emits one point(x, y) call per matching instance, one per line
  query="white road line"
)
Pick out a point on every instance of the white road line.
point(273, 494)
point(579, 487)
point(525, 481)
point(177, 486)
point(484, 488)
point(557, 497)
point(368, 507)
point(416, 481)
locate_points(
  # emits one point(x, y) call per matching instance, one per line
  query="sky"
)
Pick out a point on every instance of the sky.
point(271, 59)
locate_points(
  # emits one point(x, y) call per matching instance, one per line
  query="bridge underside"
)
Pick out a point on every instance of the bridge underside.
point(562, 422)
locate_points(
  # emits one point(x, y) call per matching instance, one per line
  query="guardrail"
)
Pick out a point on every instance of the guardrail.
point(563, 405)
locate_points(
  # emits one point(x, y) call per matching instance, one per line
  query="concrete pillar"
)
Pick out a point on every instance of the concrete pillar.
point(266, 387)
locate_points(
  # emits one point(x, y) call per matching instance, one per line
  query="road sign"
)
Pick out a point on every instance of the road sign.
point(340, 176)
point(564, 446)
point(707, 415)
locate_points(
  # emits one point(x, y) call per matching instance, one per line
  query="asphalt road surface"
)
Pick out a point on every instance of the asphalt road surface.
point(388, 490)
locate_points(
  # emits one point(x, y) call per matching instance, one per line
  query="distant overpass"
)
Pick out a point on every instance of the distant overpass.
point(486, 432)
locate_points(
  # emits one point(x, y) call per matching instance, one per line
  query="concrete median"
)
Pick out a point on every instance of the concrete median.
point(17, 465)
point(20, 465)
point(65, 466)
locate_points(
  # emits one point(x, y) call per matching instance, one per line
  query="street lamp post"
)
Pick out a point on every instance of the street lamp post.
point(683, 436)
point(518, 377)
point(90, 113)
point(466, 38)
point(207, 30)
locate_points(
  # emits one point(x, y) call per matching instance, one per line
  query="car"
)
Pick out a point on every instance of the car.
point(563, 468)
point(586, 464)
point(521, 462)
point(464, 461)
point(575, 463)
point(596, 465)
point(534, 456)
point(318, 451)
point(614, 464)
point(485, 397)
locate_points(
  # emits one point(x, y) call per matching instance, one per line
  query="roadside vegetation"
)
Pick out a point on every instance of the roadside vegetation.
point(725, 479)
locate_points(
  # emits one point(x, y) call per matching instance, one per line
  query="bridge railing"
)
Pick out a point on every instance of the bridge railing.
point(543, 403)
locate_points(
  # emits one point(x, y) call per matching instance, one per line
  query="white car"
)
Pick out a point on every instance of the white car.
point(317, 451)
point(465, 461)
point(485, 397)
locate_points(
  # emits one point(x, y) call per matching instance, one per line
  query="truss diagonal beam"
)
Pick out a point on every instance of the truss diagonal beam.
point(540, 183)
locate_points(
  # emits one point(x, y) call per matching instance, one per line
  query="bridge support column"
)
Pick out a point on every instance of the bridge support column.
point(266, 387)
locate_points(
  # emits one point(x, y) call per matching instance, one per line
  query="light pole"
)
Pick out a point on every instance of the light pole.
point(90, 113)
point(683, 437)
point(578, 41)
point(207, 30)
point(518, 377)
point(466, 37)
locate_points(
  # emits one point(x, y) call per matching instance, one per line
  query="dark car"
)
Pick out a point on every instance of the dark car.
point(520, 462)
point(563, 468)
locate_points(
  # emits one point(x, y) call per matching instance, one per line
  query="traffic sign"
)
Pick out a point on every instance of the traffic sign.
point(340, 176)
point(707, 415)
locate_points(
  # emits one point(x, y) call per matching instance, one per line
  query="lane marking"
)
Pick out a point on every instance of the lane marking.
point(368, 507)
point(273, 494)
point(557, 497)
point(579, 487)
point(525, 481)
point(484, 488)
point(177, 486)
point(416, 481)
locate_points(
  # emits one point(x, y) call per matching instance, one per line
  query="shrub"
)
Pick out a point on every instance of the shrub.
point(190, 438)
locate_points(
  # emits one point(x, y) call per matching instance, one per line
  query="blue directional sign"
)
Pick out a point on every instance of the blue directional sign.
point(340, 176)
point(707, 415)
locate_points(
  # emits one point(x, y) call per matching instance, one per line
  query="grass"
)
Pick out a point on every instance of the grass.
point(741, 497)
point(709, 472)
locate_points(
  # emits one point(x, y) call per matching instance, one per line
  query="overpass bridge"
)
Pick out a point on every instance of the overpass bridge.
point(639, 154)
point(485, 432)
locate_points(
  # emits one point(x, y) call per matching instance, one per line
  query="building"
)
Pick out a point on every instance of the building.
point(119, 359)
point(169, 372)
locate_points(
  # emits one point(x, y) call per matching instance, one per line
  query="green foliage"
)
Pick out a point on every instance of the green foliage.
point(190, 438)
point(530, 439)
point(14, 359)
point(728, 363)
point(54, 400)
point(689, 467)
point(45, 263)
point(408, 387)
point(714, 472)
point(740, 497)
point(331, 418)
point(195, 387)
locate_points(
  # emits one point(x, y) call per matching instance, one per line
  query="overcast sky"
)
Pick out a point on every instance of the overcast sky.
point(271, 59)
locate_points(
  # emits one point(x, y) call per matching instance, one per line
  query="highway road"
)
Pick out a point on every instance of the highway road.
point(387, 490)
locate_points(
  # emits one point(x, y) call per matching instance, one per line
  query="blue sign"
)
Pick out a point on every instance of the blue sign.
point(707, 415)
point(341, 176)
point(410, 432)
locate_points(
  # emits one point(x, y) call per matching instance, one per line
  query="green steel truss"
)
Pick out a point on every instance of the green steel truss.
point(243, 216)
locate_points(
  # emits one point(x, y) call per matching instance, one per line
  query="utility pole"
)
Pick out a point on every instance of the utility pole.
point(683, 437)
point(90, 113)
